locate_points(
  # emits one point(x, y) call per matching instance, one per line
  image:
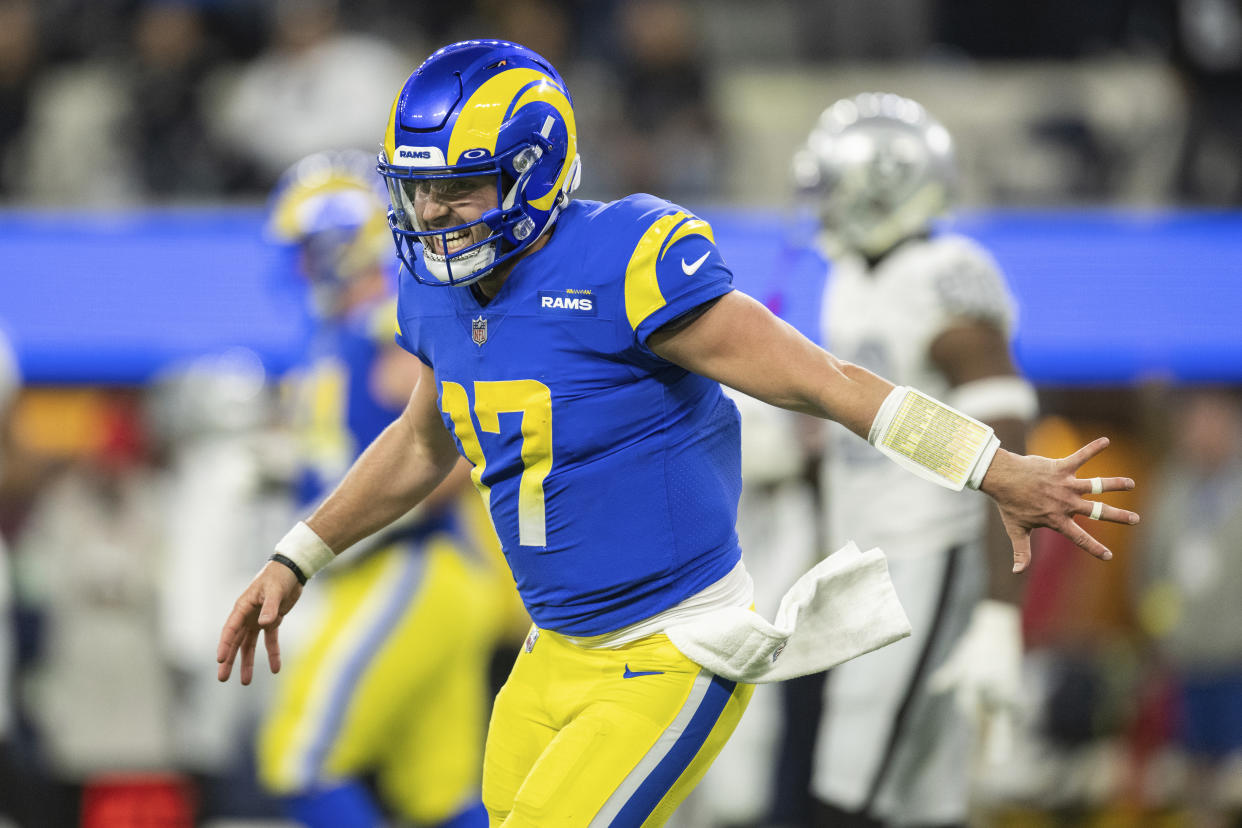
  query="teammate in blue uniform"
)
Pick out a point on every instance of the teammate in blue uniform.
point(573, 351)
point(393, 682)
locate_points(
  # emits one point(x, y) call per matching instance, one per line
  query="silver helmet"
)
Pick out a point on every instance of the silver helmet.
point(879, 169)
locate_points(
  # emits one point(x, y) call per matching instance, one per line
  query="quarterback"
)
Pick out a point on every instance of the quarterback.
point(573, 352)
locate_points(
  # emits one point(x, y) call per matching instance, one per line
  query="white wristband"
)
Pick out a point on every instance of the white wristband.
point(983, 463)
point(306, 549)
point(933, 440)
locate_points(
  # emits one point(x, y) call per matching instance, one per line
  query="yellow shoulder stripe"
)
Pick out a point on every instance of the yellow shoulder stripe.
point(642, 286)
point(692, 227)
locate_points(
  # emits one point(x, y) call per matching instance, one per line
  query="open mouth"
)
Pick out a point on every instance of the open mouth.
point(456, 241)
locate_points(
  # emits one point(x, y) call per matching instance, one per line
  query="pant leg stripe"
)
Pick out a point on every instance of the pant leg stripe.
point(656, 773)
point(357, 656)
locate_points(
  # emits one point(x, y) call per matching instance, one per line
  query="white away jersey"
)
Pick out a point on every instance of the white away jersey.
point(886, 321)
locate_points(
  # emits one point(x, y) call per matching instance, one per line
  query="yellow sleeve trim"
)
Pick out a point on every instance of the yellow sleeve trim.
point(691, 227)
point(642, 285)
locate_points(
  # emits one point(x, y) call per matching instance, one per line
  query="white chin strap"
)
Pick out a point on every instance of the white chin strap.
point(463, 266)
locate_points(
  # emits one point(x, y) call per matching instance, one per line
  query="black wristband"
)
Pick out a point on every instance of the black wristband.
point(289, 562)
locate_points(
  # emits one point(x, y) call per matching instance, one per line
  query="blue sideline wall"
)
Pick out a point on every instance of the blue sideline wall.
point(1107, 297)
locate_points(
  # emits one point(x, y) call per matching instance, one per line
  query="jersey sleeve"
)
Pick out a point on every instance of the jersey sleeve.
point(967, 285)
point(674, 268)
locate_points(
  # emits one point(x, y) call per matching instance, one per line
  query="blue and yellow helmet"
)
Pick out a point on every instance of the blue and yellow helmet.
point(331, 206)
point(479, 108)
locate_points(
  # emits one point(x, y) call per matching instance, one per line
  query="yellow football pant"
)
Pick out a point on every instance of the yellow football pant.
point(592, 738)
point(395, 683)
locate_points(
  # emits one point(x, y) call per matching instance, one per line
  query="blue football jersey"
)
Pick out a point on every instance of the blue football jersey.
point(338, 413)
point(612, 476)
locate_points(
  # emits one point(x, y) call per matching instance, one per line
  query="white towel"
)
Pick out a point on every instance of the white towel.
point(843, 607)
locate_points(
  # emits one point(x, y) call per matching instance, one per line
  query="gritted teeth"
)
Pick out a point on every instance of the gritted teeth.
point(452, 241)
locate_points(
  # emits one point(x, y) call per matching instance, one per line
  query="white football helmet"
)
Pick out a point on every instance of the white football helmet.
point(879, 169)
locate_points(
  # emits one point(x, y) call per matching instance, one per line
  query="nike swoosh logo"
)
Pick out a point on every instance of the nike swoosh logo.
point(631, 674)
point(689, 269)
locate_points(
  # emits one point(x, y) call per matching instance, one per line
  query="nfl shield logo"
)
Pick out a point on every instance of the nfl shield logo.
point(478, 330)
point(531, 639)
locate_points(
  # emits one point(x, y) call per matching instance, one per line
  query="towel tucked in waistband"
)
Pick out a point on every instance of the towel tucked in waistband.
point(843, 607)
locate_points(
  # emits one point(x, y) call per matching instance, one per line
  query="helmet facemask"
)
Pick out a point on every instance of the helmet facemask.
point(510, 229)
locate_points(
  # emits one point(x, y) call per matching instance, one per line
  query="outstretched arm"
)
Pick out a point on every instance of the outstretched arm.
point(739, 343)
point(401, 467)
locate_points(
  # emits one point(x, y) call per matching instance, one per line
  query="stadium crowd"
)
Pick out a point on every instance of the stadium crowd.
point(126, 101)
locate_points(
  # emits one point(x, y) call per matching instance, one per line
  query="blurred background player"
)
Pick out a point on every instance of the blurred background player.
point(394, 685)
point(931, 311)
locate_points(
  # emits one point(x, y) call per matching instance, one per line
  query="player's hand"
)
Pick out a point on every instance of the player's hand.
point(1034, 491)
point(262, 606)
point(984, 673)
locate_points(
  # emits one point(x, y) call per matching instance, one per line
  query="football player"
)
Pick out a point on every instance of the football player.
point(573, 351)
point(393, 686)
point(930, 310)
